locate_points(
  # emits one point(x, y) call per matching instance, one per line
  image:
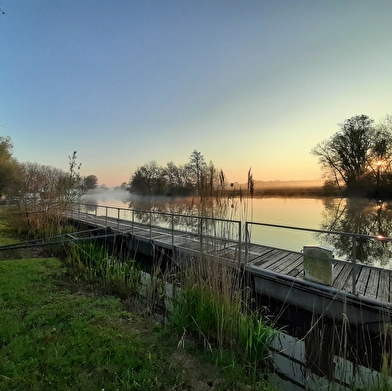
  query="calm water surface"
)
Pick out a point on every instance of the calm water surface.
point(332, 214)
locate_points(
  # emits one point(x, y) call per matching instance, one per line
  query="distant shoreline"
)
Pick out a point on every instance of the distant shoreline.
point(281, 188)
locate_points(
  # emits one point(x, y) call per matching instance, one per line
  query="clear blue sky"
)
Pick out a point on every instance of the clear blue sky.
point(247, 83)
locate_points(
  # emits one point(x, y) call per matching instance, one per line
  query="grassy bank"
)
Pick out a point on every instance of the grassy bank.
point(58, 336)
point(58, 332)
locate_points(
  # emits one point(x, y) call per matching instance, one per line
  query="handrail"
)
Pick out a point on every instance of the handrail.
point(92, 209)
point(353, 236)
point(246, 231)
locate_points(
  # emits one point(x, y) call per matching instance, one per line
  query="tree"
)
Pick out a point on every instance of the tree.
point(148, 180)
point(90, 182)
point(196, 170)
point(45, 192)
point(9, 167)
point(351, 156)
point(177, 182)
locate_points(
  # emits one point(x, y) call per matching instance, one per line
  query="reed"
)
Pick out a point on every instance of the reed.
point(92, 263)
point(213, 305)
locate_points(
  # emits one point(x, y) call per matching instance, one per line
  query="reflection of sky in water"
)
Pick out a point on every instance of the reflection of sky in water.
point(358, 216)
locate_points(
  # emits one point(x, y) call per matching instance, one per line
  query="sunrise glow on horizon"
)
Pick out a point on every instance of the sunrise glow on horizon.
point(248, 84)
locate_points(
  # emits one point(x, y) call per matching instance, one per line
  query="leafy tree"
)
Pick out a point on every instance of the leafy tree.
point(194, 178)
point(90, 182)
point(148, 179)
point(9, 167)
point(352, 157)
point(177, 181)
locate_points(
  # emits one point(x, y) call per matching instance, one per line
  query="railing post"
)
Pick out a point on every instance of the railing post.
point(201, 235)
point(150, 225)
point(239, 244)
point(106, 219)
point(118, 219)
point(172, 229)
point(246, 242)
point(133, 220)
point(354, 265)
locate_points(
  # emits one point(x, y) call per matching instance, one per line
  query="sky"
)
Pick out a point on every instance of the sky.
point(249, 84)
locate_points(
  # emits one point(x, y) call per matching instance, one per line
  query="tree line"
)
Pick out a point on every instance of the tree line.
point(357, 160)
point(194, 178)
point(42, 192)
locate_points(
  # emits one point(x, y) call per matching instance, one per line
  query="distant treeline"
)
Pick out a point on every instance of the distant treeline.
point(201, 179)
point(195, 178)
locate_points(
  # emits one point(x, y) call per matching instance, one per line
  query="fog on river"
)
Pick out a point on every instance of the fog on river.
point(354, 215)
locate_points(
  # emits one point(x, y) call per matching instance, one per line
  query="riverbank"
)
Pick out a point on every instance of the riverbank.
point(57, 333)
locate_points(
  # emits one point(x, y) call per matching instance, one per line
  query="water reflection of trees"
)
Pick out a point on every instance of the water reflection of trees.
point(361, 216)
point(189, 214)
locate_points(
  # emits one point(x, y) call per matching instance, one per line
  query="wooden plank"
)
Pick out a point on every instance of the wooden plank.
point(254, 257)
point(292, 262)
point(344, 276)
point(383, 286)
point(362, 280)
point(340, 272)
point(257, 251)
point(336, 270)
point(297, 272)
point(268, 259)
point(372, 285)
point(347, 284)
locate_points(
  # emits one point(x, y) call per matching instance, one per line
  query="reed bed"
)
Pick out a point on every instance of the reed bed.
point(92, 263)
point(213, 305)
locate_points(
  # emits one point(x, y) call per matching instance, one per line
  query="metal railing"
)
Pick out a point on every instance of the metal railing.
point(354, 237)
point(207, 227)
point(203, 228)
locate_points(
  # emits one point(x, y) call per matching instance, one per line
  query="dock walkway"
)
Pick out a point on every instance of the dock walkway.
point(277, 273)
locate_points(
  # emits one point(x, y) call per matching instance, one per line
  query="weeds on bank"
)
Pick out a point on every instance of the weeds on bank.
point(92, 263)
point(8, 234)
point(213, 309)
point(213, 305)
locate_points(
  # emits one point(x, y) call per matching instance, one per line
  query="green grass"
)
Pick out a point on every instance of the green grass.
point(55, 335)
point(55, 339)
point(222, 324)
point(8, 234)
point(64, 326)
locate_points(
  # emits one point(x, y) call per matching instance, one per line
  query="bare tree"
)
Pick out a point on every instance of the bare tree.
point(45, 192)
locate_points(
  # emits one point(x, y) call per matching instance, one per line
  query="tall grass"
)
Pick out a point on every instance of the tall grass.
point(92, 263)
point(213, 305)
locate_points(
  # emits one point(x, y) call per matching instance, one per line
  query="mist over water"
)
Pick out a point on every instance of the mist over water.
point(330, 214)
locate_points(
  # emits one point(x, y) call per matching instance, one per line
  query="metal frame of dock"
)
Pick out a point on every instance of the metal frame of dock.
point(360, 293)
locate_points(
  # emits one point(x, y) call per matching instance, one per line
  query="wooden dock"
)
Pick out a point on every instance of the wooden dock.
point(276, 273)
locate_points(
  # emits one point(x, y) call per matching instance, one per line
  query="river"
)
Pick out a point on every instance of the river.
point(353, 215)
